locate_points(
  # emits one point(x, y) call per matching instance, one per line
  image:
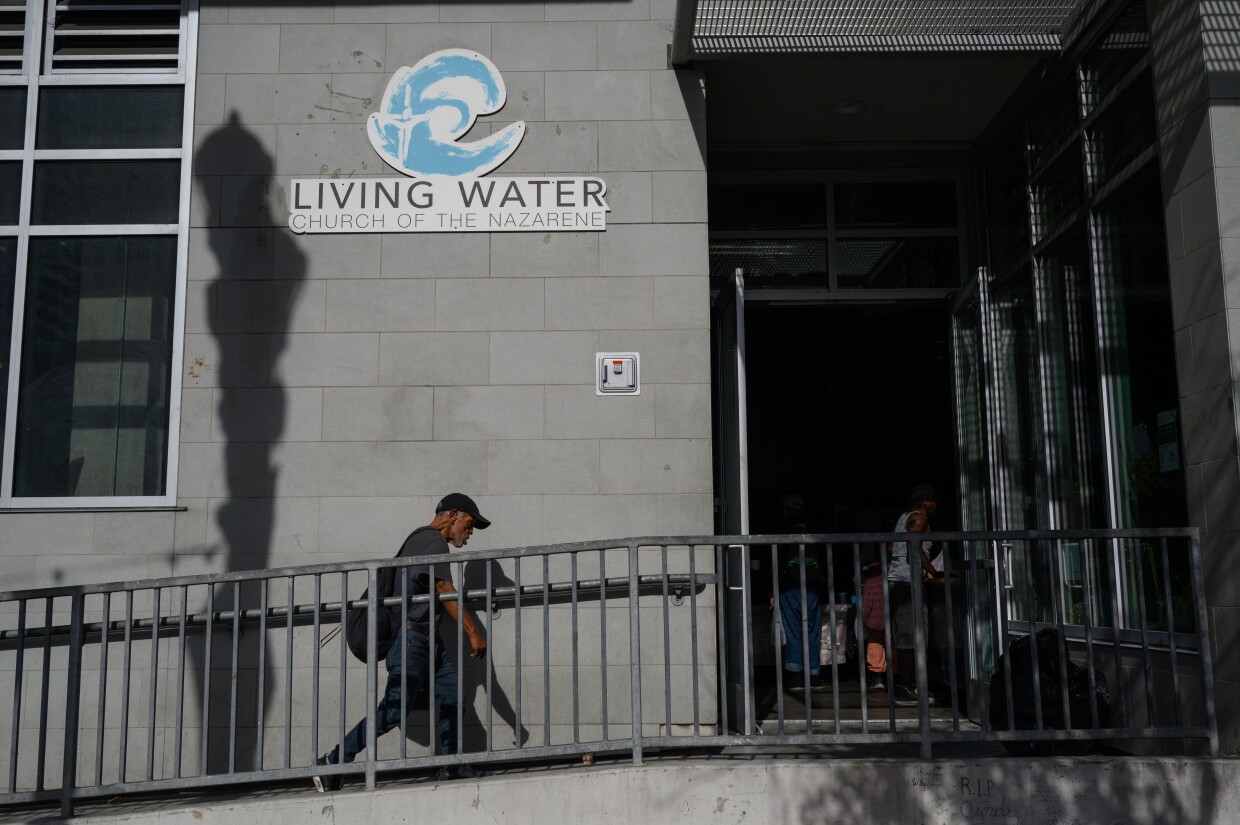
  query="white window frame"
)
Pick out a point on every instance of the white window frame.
point(37, 74)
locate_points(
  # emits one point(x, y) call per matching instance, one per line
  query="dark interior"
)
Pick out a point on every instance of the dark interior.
point(850, 407)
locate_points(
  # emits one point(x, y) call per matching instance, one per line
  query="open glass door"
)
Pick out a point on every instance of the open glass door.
point(976, 476)
point(732, 484)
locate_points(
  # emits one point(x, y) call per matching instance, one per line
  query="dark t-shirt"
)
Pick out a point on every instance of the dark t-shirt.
point(425, 541)
point(790, 570)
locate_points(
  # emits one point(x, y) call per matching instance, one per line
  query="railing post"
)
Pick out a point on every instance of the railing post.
point(1203, 633)
point(372, 609)
point(917, 578)
point(635, 660)
point(72, 699)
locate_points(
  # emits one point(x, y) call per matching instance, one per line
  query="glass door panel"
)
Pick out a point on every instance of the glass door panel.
point(1075, 449)
point(1018, 439)
point(977, 565)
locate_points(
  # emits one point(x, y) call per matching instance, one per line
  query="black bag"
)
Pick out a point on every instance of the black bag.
point(1048, 641)
point(386, 625)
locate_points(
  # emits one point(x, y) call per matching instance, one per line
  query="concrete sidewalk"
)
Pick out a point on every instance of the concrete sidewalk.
point(734, 790)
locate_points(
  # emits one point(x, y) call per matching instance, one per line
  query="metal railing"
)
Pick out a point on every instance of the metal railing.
point(603, 647)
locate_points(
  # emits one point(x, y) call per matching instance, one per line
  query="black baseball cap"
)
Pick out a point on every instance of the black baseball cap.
point(923, 492)
point(462, 502)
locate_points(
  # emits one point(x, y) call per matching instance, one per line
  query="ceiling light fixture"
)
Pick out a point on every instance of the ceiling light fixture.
point(849, 107)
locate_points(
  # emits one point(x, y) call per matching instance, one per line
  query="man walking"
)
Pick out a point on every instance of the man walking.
point(409, 664)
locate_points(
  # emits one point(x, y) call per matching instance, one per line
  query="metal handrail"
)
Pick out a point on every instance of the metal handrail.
point(668, 632)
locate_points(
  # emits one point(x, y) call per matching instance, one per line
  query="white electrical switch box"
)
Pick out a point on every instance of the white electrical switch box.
point(616, 373)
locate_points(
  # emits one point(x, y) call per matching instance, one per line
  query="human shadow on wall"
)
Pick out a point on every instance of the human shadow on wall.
point(259, 275)
point(473, 675)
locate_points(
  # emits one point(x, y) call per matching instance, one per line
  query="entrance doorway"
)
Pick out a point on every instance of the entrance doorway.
point(849, 406)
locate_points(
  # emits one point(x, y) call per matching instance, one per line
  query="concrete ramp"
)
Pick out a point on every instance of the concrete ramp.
point(732, 791)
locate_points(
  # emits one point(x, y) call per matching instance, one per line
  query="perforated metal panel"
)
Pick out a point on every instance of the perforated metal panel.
point(732, 27)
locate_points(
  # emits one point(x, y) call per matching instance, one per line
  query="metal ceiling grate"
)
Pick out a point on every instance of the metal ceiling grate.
point(12, 35)
point(722, 27)
point(133, 36)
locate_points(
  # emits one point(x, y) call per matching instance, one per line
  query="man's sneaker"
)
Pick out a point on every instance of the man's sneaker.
point(450, 772)
point(794, 682)
point(905, 695)
point(876, 682)
point(818, 683)
point(329, 782)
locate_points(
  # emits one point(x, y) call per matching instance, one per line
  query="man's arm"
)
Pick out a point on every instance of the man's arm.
point(465, 619)
point(918, 523)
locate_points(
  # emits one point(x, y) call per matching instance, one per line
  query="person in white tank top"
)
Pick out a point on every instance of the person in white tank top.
point(923, 501)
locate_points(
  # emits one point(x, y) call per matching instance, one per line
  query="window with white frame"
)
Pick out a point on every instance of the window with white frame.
point(96, 104)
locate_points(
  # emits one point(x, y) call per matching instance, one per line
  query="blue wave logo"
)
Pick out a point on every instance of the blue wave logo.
point(428, 108)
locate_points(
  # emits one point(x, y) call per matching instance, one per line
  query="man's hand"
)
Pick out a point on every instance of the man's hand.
point(479, 643)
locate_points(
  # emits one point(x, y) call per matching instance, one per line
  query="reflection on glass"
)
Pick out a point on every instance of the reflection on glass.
point(1057, 193)
point(1005, 179)
point(1053, 124)
point(104, 117)
point(1120, 50)
point(782, 262)
point(878, 205)
point(1009, 238)
point(1020, 466)
point(1125, 130)
point(1142, 380)
point(767, 206)
point(8, 277)
point(106, 192)
point(96, 367)
point(12, 117)
point(1070, 359)
point(10, 192)
point(975, 567)
point(897, 263)
point(1074, 437)
point(971, 429)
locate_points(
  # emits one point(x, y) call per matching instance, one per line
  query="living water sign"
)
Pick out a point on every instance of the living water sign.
point(425, 112)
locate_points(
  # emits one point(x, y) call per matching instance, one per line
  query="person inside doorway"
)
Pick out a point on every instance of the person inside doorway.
point(904, 557)
point(800, 577)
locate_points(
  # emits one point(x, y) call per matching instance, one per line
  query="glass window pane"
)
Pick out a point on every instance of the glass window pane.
point(96, 367)
point(1009, 239)
point(10, 192)
point(1135, 233)
point(1006, 178)
point(101, 117)
point(1057, 193)
point(970, 400)
point(1070, 357)
point(1053, 124)
point(1018, 426)
point(767, 206)
point(12, 118)
point(1109, 62)
point(773, 262)
point(8, 273)
point(1124, 130)
point(895, 205)
point(897, 263)
point(93, 192)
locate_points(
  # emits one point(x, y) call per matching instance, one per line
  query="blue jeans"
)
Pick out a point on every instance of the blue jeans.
point(790, 612)
point(414, 671)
